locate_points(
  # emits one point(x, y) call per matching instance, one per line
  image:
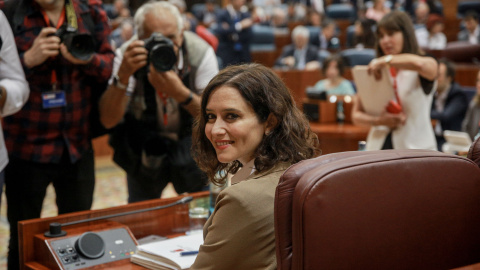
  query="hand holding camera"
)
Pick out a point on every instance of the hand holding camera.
point(167, 83)
point(44, 46)
point(72, 59)
point(134, 58)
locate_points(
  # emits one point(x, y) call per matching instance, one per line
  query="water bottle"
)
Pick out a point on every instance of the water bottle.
point(362, 145)
point(340, 112)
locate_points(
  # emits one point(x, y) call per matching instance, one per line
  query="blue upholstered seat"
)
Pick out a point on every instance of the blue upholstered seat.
point(355, 57)
point(263, 38)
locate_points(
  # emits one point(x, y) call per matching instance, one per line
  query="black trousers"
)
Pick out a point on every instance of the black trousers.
point(26, 183)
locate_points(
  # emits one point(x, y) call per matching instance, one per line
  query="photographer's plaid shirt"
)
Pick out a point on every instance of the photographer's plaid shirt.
point(41, 135)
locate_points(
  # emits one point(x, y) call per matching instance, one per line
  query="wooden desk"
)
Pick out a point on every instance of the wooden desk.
point(466, 74)
point(335, 137)
point(298, 80)
point(167, 221)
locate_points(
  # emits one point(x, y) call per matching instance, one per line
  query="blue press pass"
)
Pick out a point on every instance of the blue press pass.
point(53, 99)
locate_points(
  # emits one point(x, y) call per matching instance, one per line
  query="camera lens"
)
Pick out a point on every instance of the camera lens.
point(81, 46)
point(163, 57)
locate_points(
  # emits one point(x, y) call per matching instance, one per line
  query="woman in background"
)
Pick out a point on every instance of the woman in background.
point(436, 38)
point(334, 83)
point(363, 35)
point(377, 11)
point(249, 126)
point(405, 124)
point(472, 119)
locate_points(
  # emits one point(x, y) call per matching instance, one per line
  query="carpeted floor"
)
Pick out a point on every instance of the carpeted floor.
point(110, 190)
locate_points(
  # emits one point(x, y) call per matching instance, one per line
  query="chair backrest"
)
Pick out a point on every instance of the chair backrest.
point(340, 11)
point(355, 57)
point(350, 36)
point(263, 38)
point(464, 6)
point(474, 152)
point(462, 52)
point(314, 33)
point(400, 209)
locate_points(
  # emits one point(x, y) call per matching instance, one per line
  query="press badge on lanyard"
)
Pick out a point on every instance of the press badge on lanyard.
point(56, 98)
point(53, 99)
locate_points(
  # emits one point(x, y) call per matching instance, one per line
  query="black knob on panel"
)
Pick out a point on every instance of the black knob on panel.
point(90, 245)
point(55, 230)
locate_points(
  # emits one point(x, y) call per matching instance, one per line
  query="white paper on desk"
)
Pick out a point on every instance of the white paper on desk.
point(373, 94)
point(167, 252)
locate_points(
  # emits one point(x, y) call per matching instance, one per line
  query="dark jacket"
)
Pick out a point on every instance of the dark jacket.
point(454, 110)
point(233, 46)
point(310, 55)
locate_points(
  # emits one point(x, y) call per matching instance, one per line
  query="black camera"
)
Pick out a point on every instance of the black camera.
point(160, 52)
point(81, 46)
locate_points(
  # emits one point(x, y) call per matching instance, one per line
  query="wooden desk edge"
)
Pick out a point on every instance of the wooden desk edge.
point(29, 228)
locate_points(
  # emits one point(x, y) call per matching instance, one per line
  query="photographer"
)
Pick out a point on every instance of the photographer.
point(64, 49)
point(154, 95)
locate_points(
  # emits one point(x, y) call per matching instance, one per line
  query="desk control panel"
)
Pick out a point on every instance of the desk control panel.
point(93, 248)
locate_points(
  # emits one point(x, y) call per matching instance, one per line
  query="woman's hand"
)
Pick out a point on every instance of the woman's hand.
point(391, 120)
point(375, 67)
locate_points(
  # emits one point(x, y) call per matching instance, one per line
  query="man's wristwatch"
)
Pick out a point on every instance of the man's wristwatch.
point(188, 100)
point(117, 83)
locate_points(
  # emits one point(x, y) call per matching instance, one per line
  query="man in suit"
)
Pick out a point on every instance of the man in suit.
point(326, 39)
point(234, 33)
point(299, 55)
point(471, 33)
point(449, 104)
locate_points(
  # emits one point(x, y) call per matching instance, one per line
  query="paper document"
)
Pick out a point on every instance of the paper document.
point(373, 94)
point(167, 254)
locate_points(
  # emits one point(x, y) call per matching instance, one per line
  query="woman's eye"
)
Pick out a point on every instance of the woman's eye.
point(232, 116)
point(210, 117)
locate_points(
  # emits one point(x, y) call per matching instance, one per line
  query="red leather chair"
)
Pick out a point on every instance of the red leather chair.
point(391, 209)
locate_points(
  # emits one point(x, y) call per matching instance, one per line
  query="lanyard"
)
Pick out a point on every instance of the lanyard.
point(61, 20)
point(164, 99)
point(393, 72)
point(68, 13)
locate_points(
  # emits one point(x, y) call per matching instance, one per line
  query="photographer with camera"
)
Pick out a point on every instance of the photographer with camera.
point(67, 59)
point(152, 99)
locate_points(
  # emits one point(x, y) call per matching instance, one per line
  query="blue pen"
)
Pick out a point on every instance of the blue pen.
point(188, 253)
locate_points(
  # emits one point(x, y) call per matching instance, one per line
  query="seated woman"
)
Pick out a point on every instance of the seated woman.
point(334, 83)
point(377, 11)
point(248, 126)
point(436, 38)
point(405, 124)
point(363, 36)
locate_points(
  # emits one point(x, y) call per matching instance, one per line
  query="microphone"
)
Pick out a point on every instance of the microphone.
point(55, 229)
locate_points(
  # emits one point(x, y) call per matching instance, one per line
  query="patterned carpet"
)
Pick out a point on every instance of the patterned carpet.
point(110, 190)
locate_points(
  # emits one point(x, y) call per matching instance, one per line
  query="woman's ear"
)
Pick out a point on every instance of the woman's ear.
point(271, 123)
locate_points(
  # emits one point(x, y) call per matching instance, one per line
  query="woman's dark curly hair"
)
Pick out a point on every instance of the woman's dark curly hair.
point(290, 141)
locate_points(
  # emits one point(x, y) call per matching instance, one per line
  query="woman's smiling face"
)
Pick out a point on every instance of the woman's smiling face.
point(232, 126)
